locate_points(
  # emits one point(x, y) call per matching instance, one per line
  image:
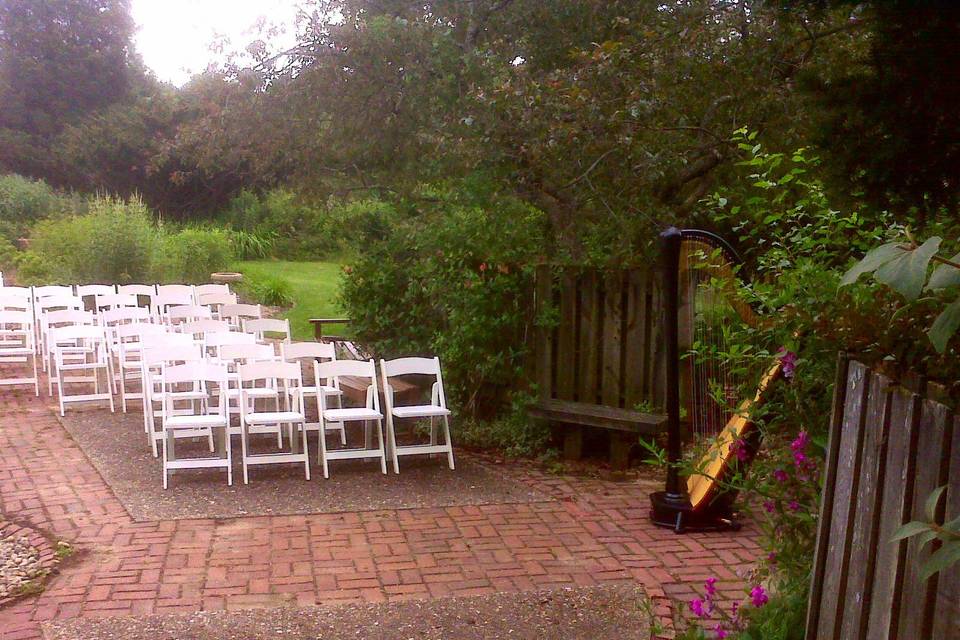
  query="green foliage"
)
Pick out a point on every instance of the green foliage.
point(22, 203)
point(115, 242)
point(192, 254)
point(452, 279)
point(925, 532)
point(513, 433)
point(271, 290)
point(252, 245)
point(8, 255)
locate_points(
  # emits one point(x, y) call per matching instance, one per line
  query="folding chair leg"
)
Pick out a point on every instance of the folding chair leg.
point(323, 449)
point(229, 453)
point(383, 453)
point(306, 451)
point(165, 460)
point(243, 444)
point(392, 441)
point(446, 434)
point(36, 378)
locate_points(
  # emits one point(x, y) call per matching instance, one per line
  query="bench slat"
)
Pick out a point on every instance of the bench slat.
point(603, 417)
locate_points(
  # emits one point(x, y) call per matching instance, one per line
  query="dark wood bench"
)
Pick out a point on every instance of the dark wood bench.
point(318, 328)
point(625, 425)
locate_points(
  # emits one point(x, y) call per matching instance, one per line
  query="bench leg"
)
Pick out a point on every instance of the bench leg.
point(620, 444)
point(573, 443)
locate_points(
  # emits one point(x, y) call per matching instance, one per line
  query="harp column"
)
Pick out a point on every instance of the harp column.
point(670, 265)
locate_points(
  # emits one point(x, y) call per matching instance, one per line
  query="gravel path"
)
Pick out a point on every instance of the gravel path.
point(611, 612)
point(19, 564)
point(117, 446)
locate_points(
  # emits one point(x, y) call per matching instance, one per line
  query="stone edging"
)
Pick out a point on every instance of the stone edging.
point(48, 553)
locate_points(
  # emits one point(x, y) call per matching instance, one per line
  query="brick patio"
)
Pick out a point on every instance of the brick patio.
point(593, 532)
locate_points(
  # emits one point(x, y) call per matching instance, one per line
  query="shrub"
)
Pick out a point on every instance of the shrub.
point(115, 242)
point(22, 203)
point(272, 291)
point(453, 278)
point(191, 255)
point(8, 255)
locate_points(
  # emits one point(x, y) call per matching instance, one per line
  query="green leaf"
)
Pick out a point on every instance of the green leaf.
point(930, 506)
point(945, 275)
point(873, 260)
point(945, 326)
point(907, 272)
point(942, 558)
point(909, 529)
point(926, 536)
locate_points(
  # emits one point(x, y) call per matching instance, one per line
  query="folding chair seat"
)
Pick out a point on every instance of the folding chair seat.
point(436, 411)
point(311, 353)
point(200, 418)
point(81, 347)
point(284, 379)
point(370, 413)
point(156, 352)
point(17, 345)
point(235, 314)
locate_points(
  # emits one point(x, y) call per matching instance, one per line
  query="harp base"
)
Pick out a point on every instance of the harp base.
point(675, 513)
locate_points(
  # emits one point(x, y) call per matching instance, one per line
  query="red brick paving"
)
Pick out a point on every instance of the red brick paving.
point(595, 532)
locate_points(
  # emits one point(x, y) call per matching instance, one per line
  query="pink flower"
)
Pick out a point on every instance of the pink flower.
point(794, 505)
point(711, 586)
point(801, 441)
point(735, 610)
point(721, 633)
point(771, 558)
point(780, 475)
point(696, 605)
point(788, 360)
point(739, 447)
point(483, 266)
point(758, 597)
point(769, 506)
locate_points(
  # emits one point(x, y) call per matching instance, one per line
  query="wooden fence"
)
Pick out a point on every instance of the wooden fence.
point(603, 348)
point(889, 449)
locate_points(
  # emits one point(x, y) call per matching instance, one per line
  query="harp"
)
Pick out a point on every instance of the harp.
point(700, 306)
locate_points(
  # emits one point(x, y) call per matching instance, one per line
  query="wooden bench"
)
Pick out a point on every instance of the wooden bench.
point(318, 328)
point(625, 425)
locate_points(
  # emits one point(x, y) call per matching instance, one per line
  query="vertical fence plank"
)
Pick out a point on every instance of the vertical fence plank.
point(826, 499)
point(840, 531)
point(655, 356)
point(916, 603)
point(866, 517)
point(589, 339)
point(544, 335)
point(946, 625)
point(895, 507)
point(612, 338)
point(566, 337)
point(635, 347)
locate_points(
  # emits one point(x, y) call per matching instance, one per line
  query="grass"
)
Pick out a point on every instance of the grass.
point(314, 286)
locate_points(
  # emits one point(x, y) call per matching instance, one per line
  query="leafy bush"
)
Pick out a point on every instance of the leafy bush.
point(272, 291)
point(191, 255)
point(115, 242)
point(8, 255)
point(22, 203)
point(454, 279)
point(252, 245)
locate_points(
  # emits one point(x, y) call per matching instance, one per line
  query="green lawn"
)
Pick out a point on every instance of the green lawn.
point(314, 286)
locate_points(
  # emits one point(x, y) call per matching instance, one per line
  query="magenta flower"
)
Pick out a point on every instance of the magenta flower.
point(780, 475)
point(771, 558)
point(801, 441)
point(769, 506)
point(696, 605)
point(711, 586)
point(721, 633)
point(794, 505)
point(788, 359)
point(758, 597)
point(739, 448)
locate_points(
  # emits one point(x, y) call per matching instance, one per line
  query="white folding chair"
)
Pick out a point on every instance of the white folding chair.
point(284, 379)
point(156, 352)
point(186, 313)
point(16, 302)
point(162, 301)
point(311, 353)
point(216, 301)
point(17, 344)
point(90, 292)
point(265, 328)
point(199, 418)
point(235, 314)
point(233, 355)
point(200, 328)
point(46, 304)
point(89, 342)
point(129, 344)
point(114, 301)
point(201, 290)
point(436, 410)
point(148, 290)
point(22, 292)
point(57, 318)
point(370, 413)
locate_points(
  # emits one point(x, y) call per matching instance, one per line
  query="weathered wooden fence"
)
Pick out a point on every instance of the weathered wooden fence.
point(889, 449)
point(603, 348)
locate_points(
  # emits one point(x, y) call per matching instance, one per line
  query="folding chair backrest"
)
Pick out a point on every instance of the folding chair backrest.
point(408, 366)
point(160, 340)
point(239, 311)
point(125, 315)
point(127, 332)
point(85, 290)
point(204, 326)
point(175, 289)
point(77, 332)
point(262, 326)
point(20, 292)
point(156, 356)
point(297, 351)
point(14, 302)
point(355, 368)
point(270, 370)
point(206, 289)
point(68, 317)
point(162, 301)
point(217, 299)
point(137, 289)
point(46, 291)
point(220, 338)
point(10, 318)
point(59, 302)
point(188, 312)
point(247, 352)
point(115, 301)
point(195, 371)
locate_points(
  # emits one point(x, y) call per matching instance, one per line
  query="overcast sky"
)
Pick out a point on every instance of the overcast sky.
point(174, 35)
